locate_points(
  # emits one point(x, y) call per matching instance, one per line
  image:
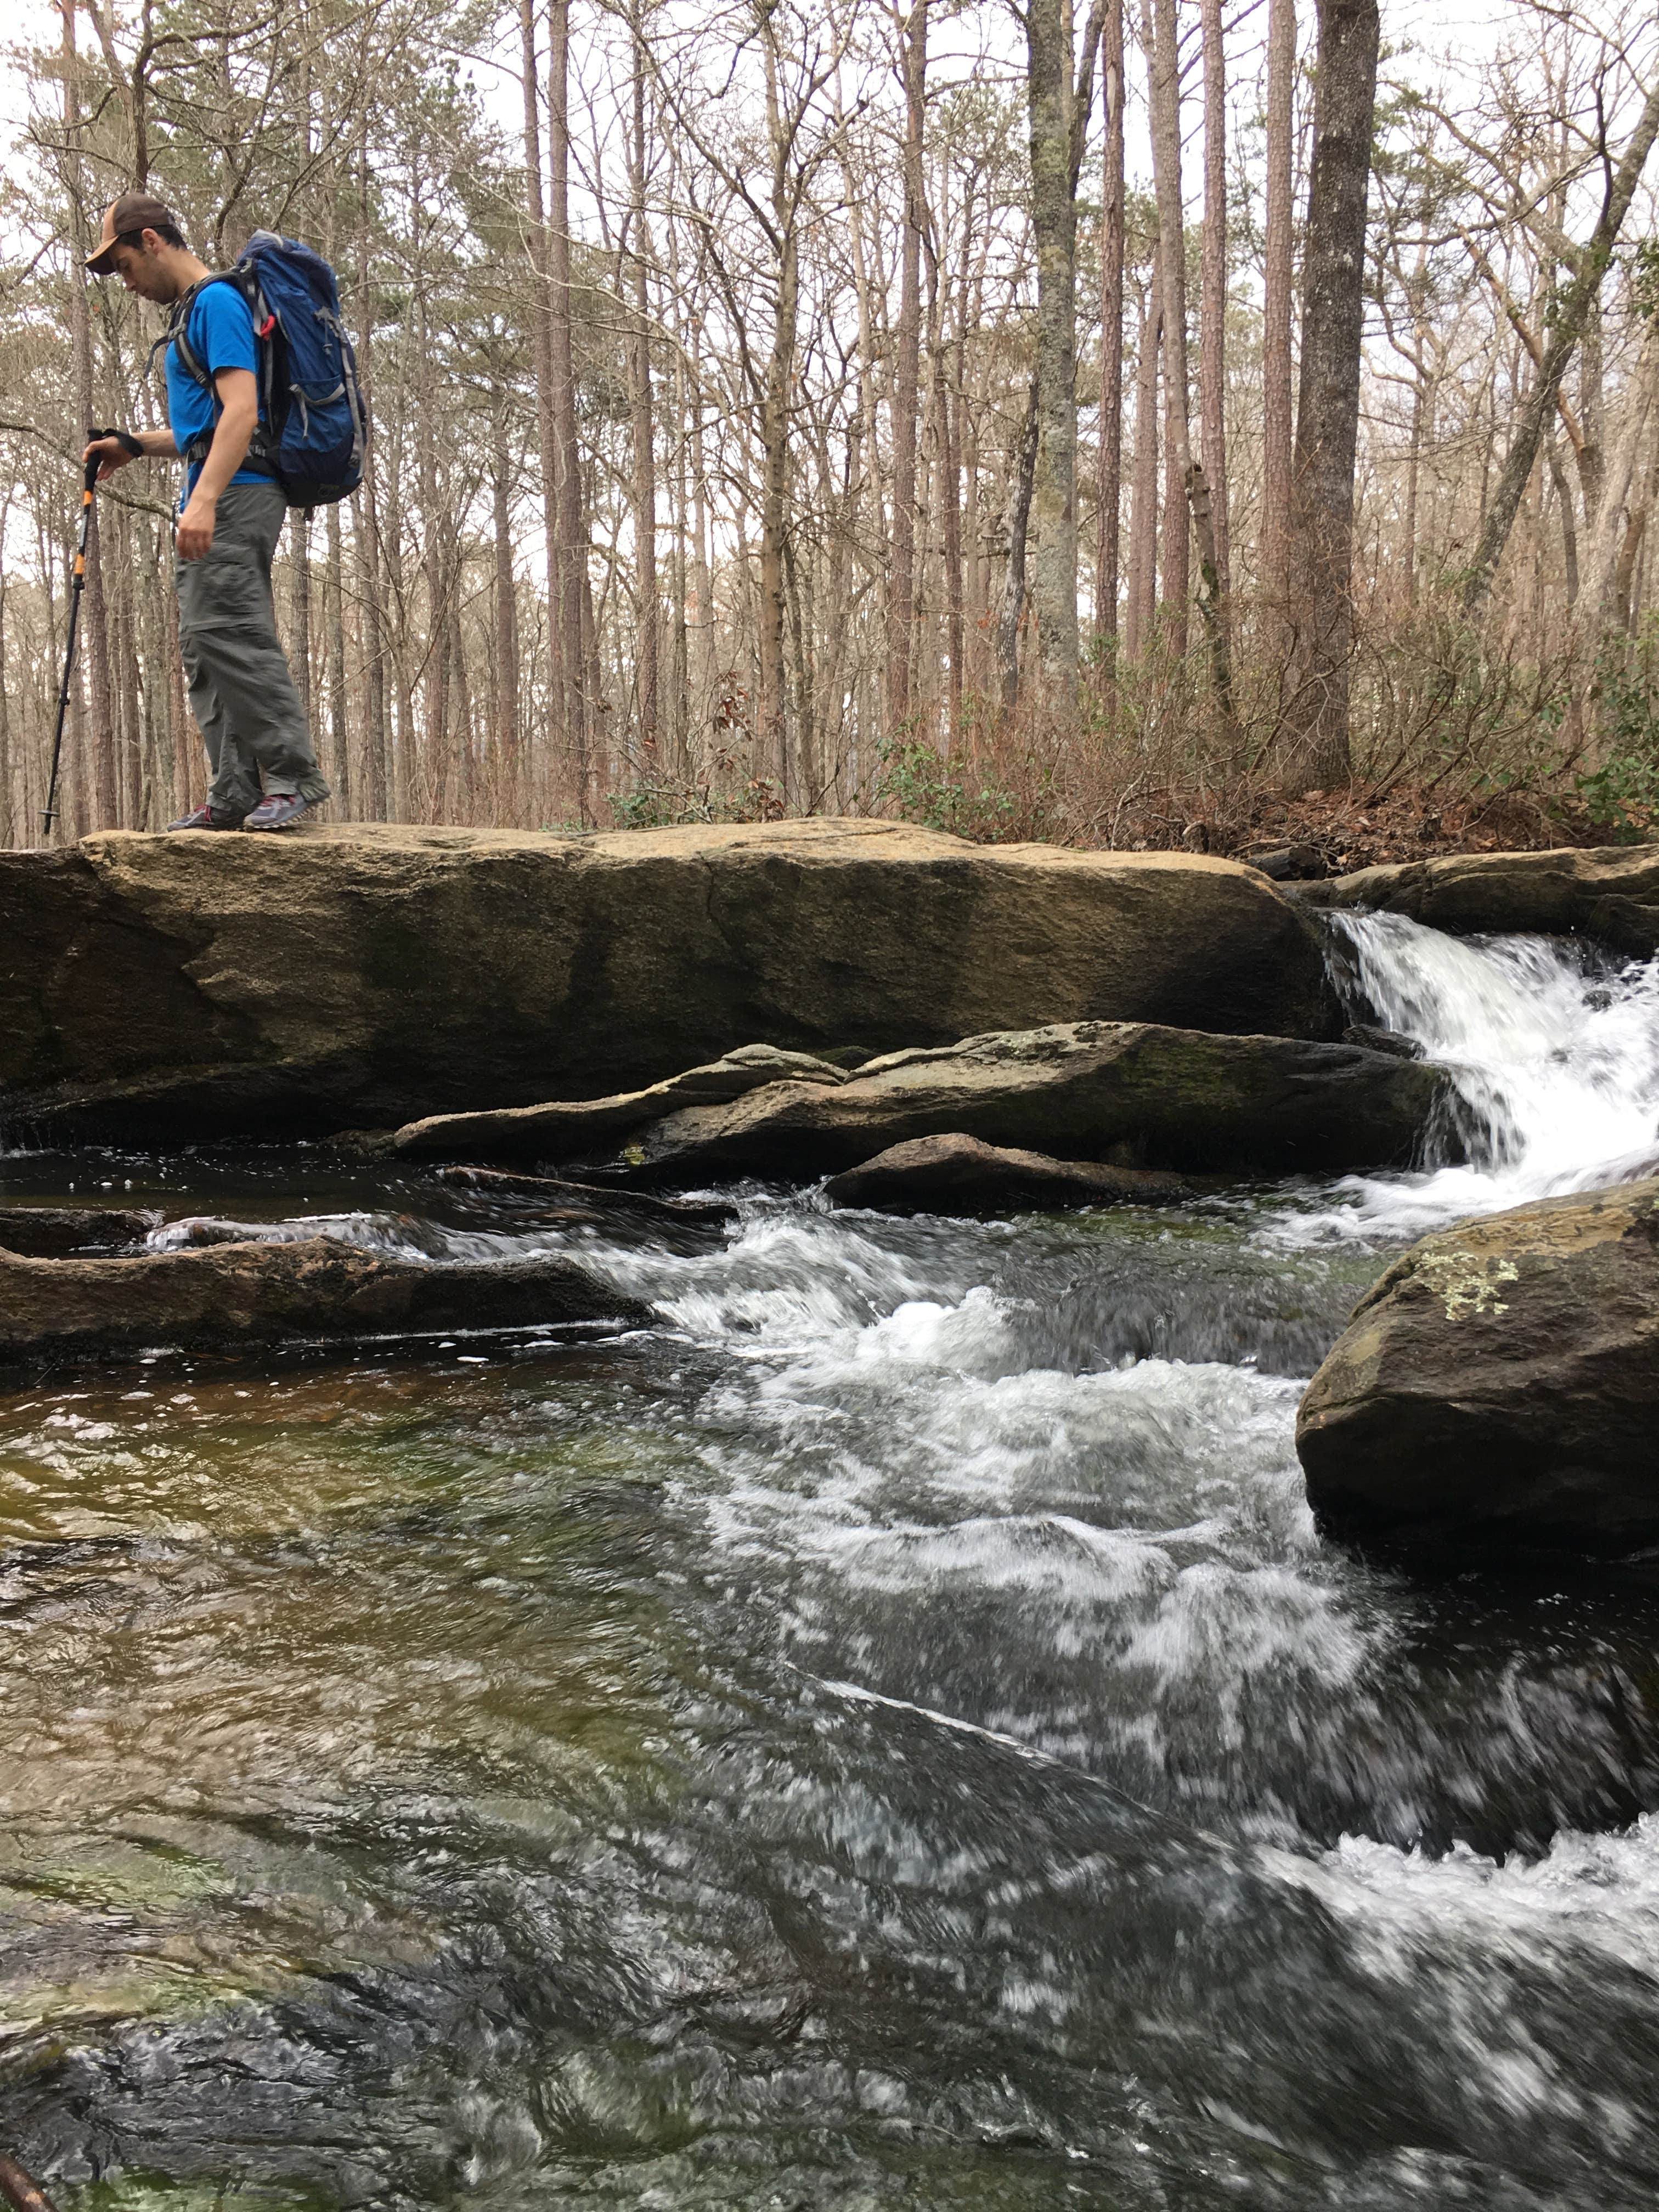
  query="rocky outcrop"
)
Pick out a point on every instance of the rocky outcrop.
point(56, 1232)
point(1612, 893)
point(1500, 1384)
point(959, 1174)
point(564, 1128)
point(161, 987)
point(1129, 1093)
point(308, 1291)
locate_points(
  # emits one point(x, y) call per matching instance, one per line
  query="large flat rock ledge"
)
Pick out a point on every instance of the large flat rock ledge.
point(155, 989)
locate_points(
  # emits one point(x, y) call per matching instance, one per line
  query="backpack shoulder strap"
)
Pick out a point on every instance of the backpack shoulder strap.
point(177, 332)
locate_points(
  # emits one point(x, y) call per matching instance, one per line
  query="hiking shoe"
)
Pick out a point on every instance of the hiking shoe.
point(205, 818)
point(280, 811)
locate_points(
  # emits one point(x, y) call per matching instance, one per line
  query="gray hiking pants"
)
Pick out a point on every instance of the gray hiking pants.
point(240, 689)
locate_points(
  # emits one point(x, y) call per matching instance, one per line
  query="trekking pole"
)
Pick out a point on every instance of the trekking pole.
point(49, 812)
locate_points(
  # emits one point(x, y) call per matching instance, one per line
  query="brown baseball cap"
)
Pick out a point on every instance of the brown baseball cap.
point(133, 211)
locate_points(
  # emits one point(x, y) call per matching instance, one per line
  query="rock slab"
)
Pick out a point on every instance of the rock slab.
point(1130, 1093)
point(959, 1174)
point(561, 1129)
point(1500, 1385)
point(159, 988)
point(1611, 893)
point(308, 1291)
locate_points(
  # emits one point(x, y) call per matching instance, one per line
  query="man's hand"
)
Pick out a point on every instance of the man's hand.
point(111, 454)
point(196, 524)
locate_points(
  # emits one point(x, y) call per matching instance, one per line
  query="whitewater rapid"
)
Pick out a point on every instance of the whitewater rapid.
point(1552, 1052)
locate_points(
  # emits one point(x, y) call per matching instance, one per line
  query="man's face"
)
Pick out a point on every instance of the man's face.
point(143, 269)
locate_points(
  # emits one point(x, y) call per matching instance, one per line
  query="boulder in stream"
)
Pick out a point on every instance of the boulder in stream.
point(1499, 1386)
point(156, 988)
point(957, 1174)
point(1127, 1092)
point(305, 1291)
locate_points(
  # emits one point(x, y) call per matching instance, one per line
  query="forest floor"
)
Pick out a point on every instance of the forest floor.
point(1333, 833)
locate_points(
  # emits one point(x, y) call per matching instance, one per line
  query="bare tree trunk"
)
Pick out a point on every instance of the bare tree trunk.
point(572, 565)
point(774, 517)
point(1165, 73)
point(1569, 529)
point(645, 470)
point(1315, 740)
point(1021, 472)
point(1176, 534)
point(1629, 456)
point(376, 751)
point(1565, 320)
point(541, 350)
point(1277, 281)
point(1054, 223)
point(508, 743)
point(99, 786)
point(339, 772)
point(1212, 306)
point(1143, 497)
point(907, 381)
point(1111, 344)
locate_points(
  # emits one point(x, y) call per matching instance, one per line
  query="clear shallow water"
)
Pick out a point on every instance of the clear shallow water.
point(888, 1734)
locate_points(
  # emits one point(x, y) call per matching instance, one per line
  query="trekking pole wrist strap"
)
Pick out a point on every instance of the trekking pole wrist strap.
point(126, 440)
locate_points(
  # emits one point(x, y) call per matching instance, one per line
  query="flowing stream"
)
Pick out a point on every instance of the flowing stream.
point(888, 1734)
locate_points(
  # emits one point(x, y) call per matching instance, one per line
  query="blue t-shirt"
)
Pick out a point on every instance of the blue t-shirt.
point(221, 333)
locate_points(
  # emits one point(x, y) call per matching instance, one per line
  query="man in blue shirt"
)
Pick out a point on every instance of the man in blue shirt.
point(264, 772)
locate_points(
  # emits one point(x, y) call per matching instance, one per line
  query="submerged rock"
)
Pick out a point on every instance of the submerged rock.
point(305, 1291)
point(1500, 1385)
point(158, 989)
point(54, 1232)
point(1611, 893)
point(589, 1202)
point(959, 1174)
point(1123, 1092)
point(562, 1129)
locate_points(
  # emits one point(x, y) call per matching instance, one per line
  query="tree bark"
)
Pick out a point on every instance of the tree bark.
point(1054, 223)
point(570, 521)
point(541, 344)
point(1022, 463)
point(1212, 301)
point(907, 378)
point(1314, 740)
point(1108, 523)
point(99, 789)
point(1163, 71)
point(1277, 280)
point(645, 467)
point(1565, 320)
point(1143, 495)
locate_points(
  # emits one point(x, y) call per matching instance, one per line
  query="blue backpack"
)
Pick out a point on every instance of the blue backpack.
point(314, 430)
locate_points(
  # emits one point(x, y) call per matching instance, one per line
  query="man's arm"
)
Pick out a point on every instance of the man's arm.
point(239, 418)
point(113, 454)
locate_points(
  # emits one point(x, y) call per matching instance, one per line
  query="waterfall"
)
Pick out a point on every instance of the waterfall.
point(1553, 1050)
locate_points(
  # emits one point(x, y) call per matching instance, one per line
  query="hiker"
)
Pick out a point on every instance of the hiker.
point(264, 772)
